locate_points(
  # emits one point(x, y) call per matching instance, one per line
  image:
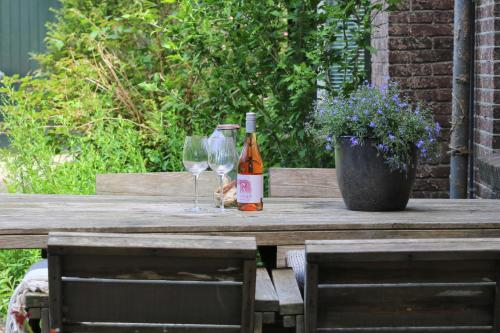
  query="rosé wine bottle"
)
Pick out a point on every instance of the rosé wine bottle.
point(250, 184)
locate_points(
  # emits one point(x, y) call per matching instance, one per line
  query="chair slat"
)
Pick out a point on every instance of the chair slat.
point(303, 183)
point(170, 184)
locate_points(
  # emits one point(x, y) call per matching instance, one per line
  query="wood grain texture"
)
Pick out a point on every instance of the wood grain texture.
point(26, 220)
point(281, 253)
point(287, 289)
point(137, 244)
point(402, 285)
point(173, 282)
point(266, 298)
point(303, 183)
point(170, 184)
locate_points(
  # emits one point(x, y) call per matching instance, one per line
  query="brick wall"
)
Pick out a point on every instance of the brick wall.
point(487, 94)
point(415, 46)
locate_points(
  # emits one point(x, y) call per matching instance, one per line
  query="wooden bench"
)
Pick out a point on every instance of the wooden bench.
point(151, 283)
point(396, 285)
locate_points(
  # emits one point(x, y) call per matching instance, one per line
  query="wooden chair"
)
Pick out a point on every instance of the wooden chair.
point(151, 283)
point(403, 285)
point(170, 184)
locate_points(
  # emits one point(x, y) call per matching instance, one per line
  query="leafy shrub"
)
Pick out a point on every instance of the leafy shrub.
point(13, 265)
point(383, 114)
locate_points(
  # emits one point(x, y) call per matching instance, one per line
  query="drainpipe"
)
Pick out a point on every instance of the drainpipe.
point(472, 21)
point(459, 141)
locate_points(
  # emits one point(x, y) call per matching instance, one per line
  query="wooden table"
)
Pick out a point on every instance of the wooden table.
point(25, 220)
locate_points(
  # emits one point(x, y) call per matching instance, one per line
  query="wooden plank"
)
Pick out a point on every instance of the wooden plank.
point(248, 296)
point(27, 219)
point(147, 267)
point(496, 309)
point(170, 184)
point(276, 238)
point(266, 298)
point(37, 300)
point(258, 322)
point(88, 301)
point(398, 249)
point(55, 287)
point(281, 253)
point(405, 306)
point(311, 297)
point(136, 244)
point(457, 271)
point(303, 183)
point(38, 215)
point(300, 324)
point(269, 317)
point(288, 292)
point(289, 321)
point(142, 328)
point(45, 320)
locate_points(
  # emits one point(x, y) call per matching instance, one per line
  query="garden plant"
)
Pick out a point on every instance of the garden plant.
point(123, 82)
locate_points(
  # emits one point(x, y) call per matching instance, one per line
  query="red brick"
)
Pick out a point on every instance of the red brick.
point(432, 4)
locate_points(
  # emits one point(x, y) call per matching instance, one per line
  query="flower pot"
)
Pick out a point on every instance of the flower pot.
point(366, 182)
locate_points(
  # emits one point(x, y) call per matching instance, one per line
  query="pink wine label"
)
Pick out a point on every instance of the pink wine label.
point(250, 188)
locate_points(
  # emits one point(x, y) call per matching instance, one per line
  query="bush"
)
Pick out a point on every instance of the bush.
point(13, 265)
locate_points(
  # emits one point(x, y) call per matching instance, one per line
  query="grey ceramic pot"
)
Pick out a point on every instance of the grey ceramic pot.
point(366, 181)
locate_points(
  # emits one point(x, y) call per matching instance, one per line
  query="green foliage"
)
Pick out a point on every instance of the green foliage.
point(13, 265)
point(123, 82)
point(382, 114)
point(168, 68)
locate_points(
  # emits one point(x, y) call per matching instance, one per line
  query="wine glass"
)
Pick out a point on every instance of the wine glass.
point(221, 158)
point(195, 160)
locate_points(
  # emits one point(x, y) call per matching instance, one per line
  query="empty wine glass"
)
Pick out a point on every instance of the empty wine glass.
point(195, 159)
point(222, 159)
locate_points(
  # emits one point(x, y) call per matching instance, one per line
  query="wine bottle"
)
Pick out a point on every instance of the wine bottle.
point(250, 184)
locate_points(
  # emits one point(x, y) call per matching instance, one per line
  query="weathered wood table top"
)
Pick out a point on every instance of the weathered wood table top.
point(25, 220)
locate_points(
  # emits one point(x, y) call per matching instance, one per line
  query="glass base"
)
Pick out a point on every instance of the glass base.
point(195, 210)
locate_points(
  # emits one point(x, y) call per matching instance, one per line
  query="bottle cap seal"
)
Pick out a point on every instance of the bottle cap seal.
point(251, 122)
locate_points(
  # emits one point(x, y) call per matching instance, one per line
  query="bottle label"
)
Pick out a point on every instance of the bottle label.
point(250, 188)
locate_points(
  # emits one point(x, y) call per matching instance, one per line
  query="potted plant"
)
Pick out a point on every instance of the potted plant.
point(378, 135)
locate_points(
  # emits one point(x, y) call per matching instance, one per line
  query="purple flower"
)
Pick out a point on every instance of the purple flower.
point(379, 111)
point(438, 128)
point(328, 138)
point(372, 124)
point(420, 143)
point(328, 147)
point(392, 137)
point(395, 98)
point(366, 112)
point(354, 141)
point(383, 148)
point(355, 118)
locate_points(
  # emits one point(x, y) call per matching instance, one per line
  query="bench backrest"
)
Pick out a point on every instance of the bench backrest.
point(151, 283)
point(410, 285)
point(303, 183)
point(171, 184)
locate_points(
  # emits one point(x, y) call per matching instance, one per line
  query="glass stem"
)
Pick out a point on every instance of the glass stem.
point(196, 191)
point(222, 193)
